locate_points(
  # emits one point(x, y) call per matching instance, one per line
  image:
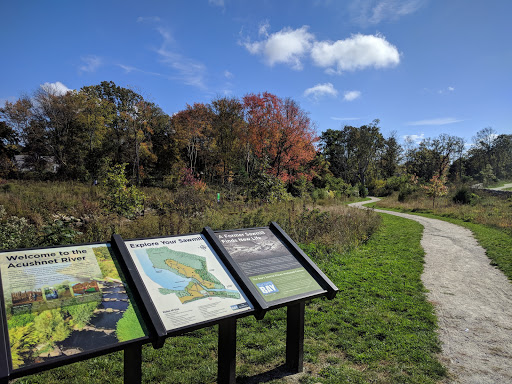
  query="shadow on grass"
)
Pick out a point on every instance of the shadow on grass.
point(278, 372)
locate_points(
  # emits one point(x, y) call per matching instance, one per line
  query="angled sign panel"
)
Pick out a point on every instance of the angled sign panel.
point(186, 281)
point(60, 302)
point(274, 271)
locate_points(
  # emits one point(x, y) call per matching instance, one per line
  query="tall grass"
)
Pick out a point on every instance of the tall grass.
point(78, 210)
point(485, 209)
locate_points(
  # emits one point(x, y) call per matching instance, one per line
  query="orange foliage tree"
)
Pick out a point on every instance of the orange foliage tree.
point(279, 134)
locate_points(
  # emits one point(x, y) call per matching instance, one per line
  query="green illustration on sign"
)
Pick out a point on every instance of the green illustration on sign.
point(63, 301)
point(202, 283)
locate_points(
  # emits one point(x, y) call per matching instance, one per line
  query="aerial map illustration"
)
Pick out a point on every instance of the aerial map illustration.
point(186, 280)
point(191, 270)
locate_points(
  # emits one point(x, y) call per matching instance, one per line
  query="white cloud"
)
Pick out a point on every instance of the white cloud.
point(446, 90)
point(263, 30)
point(376, 11)
point(357, 52)
point(416, 139)
point(190, 71)
point(228, 75)
point(288, 46)
point(217, 3)
point(56, 88)
point(345, 118)
point(150, 19)
point(91, 63)
point(351, 95)
point(129, 69)
point(438, 121)
point(321, 90)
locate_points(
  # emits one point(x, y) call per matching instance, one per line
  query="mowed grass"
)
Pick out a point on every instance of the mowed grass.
point(379, 329)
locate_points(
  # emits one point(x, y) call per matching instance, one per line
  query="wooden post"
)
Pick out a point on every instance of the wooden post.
point(227, 352)
point(133, 365)
point(295, 337)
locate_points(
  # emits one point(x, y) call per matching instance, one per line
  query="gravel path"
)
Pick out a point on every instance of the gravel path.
point(502, 187)
point(472, 300)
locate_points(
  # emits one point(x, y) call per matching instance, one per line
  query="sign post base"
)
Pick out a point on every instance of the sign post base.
point(295, 337)
point(133, 365)
point(227, 352)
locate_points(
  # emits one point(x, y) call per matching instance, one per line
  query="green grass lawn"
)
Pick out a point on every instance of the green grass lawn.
point(379, 328)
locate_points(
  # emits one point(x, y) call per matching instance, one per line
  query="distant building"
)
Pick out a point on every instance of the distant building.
point(25, 163)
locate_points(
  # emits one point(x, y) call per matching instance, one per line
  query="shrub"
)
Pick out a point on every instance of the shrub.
point(15, 232)
point(363, 191)
point(462, 196)
point(59, 233)
point(121, 199)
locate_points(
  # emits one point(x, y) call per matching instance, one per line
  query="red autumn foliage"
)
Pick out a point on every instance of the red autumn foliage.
point(280, 133)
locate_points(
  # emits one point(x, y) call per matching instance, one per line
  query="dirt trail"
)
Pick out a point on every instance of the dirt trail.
point(502, 187)
point(472, 300)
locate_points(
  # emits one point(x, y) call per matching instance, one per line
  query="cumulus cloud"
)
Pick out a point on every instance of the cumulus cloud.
point(90, 63)
point(320, 90)
point(56, 88)
point(228, 75)
point(356, 52)
point(438, 121)
point(290, 46)
point(287, 46)
point(351, 95)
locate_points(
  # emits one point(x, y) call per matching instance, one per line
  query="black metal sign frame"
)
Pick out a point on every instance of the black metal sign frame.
point(7, 372)
point(138, 283)
point(156, 332)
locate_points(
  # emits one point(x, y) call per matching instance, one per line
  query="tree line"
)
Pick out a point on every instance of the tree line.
point(261, 145)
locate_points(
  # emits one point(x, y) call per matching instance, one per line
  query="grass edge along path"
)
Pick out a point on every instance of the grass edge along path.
point(379, 329)
point(497, 244)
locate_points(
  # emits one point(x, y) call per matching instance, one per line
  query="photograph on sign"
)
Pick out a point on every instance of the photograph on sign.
point(63, 301)
point(270, 266)
point(186, 280)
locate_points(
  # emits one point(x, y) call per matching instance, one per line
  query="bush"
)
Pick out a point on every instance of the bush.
point(15, 232)
point(363, 191)
point(463, 196)
point(121, 199)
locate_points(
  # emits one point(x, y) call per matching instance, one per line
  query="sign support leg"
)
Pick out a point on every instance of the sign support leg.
point(295, 337)
point(227, 352)
point(133, 365)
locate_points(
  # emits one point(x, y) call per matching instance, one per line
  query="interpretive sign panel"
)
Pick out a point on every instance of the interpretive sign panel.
point(274, 271)
point(60, 302)
point(186, 280)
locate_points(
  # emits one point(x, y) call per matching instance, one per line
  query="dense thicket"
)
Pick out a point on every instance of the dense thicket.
point(260, 145)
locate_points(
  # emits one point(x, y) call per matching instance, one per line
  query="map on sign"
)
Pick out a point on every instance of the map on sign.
point(189, 279)
point(186, 280)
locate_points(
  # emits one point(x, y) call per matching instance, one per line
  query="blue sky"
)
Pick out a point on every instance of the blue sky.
point(423, 67)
